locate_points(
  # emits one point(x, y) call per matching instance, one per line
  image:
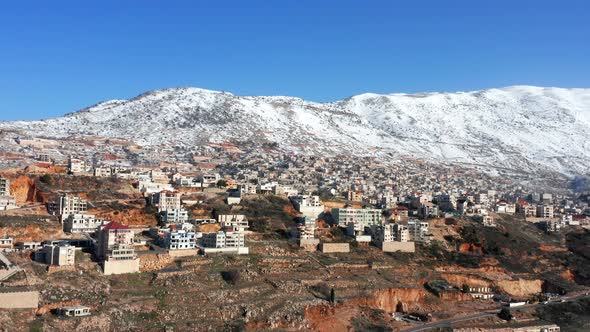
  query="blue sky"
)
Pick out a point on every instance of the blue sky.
point(61, 56)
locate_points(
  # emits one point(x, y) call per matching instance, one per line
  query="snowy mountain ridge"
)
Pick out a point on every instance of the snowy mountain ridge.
point(518, 127)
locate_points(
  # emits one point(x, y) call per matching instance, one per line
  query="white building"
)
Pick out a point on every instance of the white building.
point(81, 223)
point(358, 218)
point(167, 200)
point(7, 203)
point(308, 205)
point(72, 205)
point(174, 216)
point(236, 222)
point(544, 211)
point(4, 187)
point(179, 240)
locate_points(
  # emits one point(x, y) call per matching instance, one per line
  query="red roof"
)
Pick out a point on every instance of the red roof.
point(401, 207)
point(523, 203)
point(115, 225)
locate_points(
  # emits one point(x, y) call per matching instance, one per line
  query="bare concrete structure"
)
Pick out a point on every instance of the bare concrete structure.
point(19, 300)
point(334, 247)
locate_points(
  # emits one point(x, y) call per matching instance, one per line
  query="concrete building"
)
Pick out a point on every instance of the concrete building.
point(544, 211)
point(180, 240)
point(115, 249)
point(74, 311)
point(69, 204)
point(4, 187)
point(309, 205)
point(7, 203)
point(81, 223)
point(505, 207)
point(167, 200)
point(60, 255)
point(77, 166)
point(174, 216)
point(6, 243)
point(235, 222)
point(488, 221)
point(360, 218)
point(224, 241)
point(419, 231)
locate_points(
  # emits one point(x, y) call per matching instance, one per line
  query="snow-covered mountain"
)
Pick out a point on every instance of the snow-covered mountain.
point(519, 127)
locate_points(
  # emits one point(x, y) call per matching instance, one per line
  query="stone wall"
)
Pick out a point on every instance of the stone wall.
point(334, 247)
point(121, 267)
point(19, 300)
point(398, 246)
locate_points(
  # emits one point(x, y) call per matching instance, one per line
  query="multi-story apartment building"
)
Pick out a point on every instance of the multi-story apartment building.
point(6, 243)
point(167, 200)
point(505, 207)
point(81, 223)
point(174, 216)
point(4, 187)
point(309, 205)
point(390, 233)
point(235, 222)
point(306, 229)
point(115, 249)
point(71, 205)
point(359, 218)
point(61, 254)
point(76, 166)
point(545, 211)
point(419, 231)
point(179, 240)
point(224, 239)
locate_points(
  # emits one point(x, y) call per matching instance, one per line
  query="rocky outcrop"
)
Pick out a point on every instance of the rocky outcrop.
point(24, 189)
point(520, 288)
point(154, 262)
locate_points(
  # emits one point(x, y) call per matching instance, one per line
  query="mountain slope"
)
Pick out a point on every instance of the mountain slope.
point(520, 127)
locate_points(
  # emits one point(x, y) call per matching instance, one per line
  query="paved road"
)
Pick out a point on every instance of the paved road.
point(447, 322)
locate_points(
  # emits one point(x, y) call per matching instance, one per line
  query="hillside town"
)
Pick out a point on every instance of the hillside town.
point(224, 200)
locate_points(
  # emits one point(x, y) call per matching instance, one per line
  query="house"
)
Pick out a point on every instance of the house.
point(115, 249)
point(74, 311)
point(354, 195)
point(488, 221)
point(7, 203)
point(77, 166)
point(81, 223)
point(234, 197)
point(6, 243)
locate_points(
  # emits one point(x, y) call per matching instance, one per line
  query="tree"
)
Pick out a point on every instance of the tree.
point(505, 314)
point(332, 296)
point(465, 288)
point(221, 183)
point(46, 179)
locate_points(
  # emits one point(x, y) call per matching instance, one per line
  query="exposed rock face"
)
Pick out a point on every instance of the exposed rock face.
point(154, 262)
point(130, 217)
point(24, 189)
point(521, 288)
point(459, 280)
point(32, 232)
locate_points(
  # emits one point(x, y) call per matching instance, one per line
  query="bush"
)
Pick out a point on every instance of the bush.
point(231, 276)
point(46, 179)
